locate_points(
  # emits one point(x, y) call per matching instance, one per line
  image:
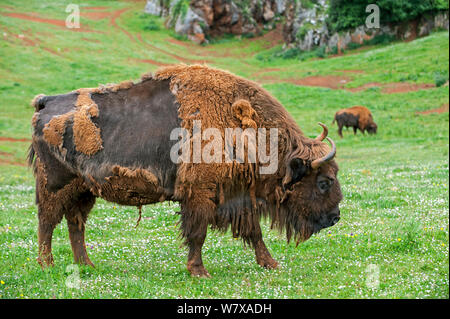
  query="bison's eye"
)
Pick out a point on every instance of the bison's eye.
point(324, 183)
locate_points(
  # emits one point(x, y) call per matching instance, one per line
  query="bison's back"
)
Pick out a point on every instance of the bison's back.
point(103, 133)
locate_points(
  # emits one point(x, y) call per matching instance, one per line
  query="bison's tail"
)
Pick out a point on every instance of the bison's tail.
point(31, 157)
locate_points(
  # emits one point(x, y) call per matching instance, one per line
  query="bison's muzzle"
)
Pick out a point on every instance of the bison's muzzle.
point(328, 220)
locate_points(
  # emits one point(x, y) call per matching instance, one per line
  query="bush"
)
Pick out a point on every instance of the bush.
point(380, 39)
point(343, 15)
point(292, 53)
point(152, 26)
point(440, 78)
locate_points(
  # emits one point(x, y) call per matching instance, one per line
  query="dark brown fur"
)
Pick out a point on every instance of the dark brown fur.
point(358, 117)
point(132, 167)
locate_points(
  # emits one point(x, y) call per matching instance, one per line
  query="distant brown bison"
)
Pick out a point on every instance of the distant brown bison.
point(115, 142)
point(358, 117)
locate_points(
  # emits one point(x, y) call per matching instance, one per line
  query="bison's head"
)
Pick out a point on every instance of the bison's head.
point(372, 128)
point(312, 190)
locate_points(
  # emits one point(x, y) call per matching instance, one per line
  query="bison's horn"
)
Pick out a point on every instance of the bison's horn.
point(324, 133)
point(318, 162)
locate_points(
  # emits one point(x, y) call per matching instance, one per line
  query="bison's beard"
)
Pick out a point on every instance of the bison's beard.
point(297, 226)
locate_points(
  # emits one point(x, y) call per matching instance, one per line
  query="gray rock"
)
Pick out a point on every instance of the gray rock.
point(441, 20)
point(153, 7)
point(280, 6)
point(235, 14)
point(268, 13)
point(186, 25)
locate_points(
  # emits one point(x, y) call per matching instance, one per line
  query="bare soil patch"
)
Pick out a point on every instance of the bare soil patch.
point(351, 71)
point(396, 87)
point(96, 8)
point(442, 109)
point(403, 87)
point(96, 15)
point(327, 81)
point(273, 37)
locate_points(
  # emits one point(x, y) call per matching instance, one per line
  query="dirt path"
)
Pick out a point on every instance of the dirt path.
point(115, 15)
point(8, 159)
point(149, 61)
point(176, 57)
point(442, 109)
point(35, 18)
point(12, 139)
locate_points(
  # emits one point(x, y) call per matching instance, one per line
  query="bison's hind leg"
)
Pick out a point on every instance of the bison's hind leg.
point(47, 223)
point(76, 218)
point(59, 194)
point(340, 126)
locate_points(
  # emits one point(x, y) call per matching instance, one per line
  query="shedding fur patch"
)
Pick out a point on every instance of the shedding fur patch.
point(54, 130)
point(35, 119)
point(128, 186)
point(137, 173)
point(86, 134)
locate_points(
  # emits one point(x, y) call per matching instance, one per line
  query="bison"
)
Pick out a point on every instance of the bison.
point(358, 117)
point(116, 142)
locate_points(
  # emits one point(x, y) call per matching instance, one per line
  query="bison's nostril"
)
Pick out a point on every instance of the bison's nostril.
point(335, 220)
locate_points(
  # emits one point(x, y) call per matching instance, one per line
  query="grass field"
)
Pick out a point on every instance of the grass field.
point(393, 237)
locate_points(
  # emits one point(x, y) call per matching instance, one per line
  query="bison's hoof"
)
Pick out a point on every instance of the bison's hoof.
point(86, 262)
point(268, 263)
point(45, 262)
point(199, 271)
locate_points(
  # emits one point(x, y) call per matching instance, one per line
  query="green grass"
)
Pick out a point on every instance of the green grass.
point(395, 184)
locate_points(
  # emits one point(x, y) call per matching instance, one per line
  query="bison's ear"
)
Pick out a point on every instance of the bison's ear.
point(295, 171)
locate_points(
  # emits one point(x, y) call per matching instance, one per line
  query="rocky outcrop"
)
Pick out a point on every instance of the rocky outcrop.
point(305, 24)
point(200, 19)
point(306, 28)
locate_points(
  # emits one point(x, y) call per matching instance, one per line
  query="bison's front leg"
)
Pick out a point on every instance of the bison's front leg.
point(263, 256)
point(195, 262)
point(194, 226)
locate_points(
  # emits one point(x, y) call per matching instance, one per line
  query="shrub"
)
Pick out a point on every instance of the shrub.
point(440, 78)
point(152, 26)
point(380, 39)
point(343, 15)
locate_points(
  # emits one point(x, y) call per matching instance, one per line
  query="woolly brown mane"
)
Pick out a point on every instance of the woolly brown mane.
point(222, 100)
